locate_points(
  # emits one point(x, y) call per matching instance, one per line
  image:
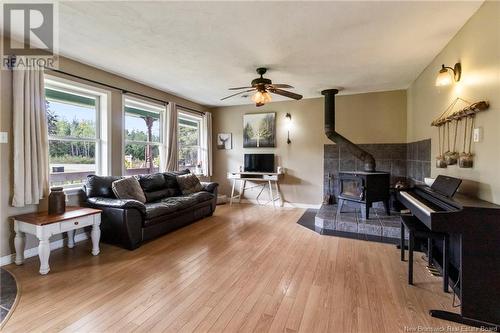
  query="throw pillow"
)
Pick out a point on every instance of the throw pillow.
point(128, 188)
point(189, 184)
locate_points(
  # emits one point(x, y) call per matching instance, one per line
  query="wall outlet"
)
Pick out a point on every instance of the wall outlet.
point(4, 137)
point(477, 134)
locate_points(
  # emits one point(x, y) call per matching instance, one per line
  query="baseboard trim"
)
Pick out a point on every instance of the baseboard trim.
point(286, 204)
point(33, 252)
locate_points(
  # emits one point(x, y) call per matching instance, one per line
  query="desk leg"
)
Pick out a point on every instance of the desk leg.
point(19, 244)
point(44, 253)
point(278, 193)
point(71, 238)
point(262, 188)
point(243, 184)
point(271, 194)
point(232, 193)
point(95, 234)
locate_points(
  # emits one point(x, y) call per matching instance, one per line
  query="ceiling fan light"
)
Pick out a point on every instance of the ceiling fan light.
point(261, 97)
point(267, 97)
point(256, 97)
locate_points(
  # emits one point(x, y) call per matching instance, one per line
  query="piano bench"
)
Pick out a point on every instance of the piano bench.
point(419, 230)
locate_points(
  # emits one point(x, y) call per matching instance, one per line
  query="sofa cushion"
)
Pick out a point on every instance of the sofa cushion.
point(152, 182)
point(171, 180)
point(128, 188)
point(171, 184)
point(189, 184)
point(201, 196)
point(156, 209)
point(154, 187)
point(156, 195)
point(100, 186)
point(168, 205)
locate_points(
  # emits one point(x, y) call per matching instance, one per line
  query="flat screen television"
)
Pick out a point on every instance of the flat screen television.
point(259, 163)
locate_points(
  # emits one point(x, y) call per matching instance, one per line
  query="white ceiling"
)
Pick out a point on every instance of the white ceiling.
point(199, 49)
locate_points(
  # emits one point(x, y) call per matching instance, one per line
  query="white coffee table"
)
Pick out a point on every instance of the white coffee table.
point(43, 226)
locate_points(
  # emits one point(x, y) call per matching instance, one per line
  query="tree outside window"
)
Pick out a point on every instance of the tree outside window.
point(142, 139)
point(189, 128)
point(73, 136)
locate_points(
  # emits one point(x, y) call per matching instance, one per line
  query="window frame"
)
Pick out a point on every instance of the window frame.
point(190, 116)
point(102, 151)
point(139, 103)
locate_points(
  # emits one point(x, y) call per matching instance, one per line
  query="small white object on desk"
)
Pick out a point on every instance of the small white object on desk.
point(43, 226)
point(264, 178)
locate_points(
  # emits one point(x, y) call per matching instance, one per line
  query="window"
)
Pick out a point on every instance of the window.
point(143, 136)
point(189, 146)
point(73, 120)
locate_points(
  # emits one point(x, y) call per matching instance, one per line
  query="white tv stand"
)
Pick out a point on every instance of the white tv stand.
point(263, 179)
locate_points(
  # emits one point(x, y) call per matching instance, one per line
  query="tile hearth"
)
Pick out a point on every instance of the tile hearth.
point(8, 293)
point(379, 227)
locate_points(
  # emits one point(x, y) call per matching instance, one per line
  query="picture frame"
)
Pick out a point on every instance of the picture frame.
point(225, 141)
point(259, 130)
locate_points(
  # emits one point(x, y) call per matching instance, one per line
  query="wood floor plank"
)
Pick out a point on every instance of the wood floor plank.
point(254, 315)
point(246, 269)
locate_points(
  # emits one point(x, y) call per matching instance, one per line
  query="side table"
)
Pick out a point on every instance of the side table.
point(43, 226)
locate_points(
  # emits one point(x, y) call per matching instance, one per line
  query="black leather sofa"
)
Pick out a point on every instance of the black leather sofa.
point(130, 222)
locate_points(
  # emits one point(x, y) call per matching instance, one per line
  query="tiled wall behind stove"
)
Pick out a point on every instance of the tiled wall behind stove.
point(419, 160)
point(390, 157)
point(404, 161)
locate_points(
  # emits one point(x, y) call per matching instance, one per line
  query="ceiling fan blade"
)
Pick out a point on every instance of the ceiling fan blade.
point(285, 93)
point(238, 93)
point(238, 88)
point(287, 86)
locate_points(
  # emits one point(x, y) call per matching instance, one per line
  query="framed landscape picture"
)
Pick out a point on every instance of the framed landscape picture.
point(259, 130)
point(225, 141)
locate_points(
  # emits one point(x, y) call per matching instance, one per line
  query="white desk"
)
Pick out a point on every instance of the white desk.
point(263, 179)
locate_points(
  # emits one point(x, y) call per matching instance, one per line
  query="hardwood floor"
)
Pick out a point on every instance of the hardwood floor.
point(247, 268)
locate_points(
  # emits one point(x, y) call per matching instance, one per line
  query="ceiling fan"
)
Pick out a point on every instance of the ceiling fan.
point(263, 87)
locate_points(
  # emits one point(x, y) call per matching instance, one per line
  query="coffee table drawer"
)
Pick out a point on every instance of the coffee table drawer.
point(77, 223)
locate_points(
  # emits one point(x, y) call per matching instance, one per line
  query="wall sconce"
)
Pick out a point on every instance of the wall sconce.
point(288, 118)
point(444, 78)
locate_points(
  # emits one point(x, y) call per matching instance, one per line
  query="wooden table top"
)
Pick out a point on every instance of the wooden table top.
point(43, 218)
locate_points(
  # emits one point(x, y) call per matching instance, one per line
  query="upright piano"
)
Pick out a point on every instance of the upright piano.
point(473, 226)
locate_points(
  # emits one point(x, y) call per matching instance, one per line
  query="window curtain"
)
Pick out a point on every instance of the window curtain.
point(31, 165)
point(172, 155)
point(207, 145)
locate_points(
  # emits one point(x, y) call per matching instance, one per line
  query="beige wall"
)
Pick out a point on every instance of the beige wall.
point(477, 47)
point(363, 118)
point(76, 68)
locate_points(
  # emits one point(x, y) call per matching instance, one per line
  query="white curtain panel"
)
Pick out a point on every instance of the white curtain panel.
point(31, 165)
point(207, 144)
point(172, 154)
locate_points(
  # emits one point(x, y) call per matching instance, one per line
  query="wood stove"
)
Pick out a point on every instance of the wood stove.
point(365, 188)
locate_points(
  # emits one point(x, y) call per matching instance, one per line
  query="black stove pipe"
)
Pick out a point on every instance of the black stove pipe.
point(367, 158)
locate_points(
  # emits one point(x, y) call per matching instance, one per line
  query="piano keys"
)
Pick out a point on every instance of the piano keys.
point(473, 226)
